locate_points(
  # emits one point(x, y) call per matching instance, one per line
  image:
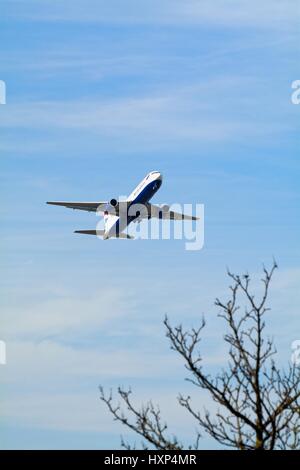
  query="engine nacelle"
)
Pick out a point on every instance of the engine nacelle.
point(163, 210)
point(138, 217)
point(113, 202)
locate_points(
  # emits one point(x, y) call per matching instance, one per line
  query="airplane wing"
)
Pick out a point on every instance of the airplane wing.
point(163, 212)
point(82, 206)
point(100, 206)
point(160, 212)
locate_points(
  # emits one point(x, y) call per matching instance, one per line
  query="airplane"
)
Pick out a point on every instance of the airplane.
point(119, 214)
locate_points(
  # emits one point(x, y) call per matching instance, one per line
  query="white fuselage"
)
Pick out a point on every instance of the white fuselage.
point(141, 195)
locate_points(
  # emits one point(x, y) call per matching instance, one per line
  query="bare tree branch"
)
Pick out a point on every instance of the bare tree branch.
point(146, 422)
point(259, 404)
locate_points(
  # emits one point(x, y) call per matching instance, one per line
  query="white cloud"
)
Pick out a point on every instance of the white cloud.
point(48, 362)
point(62, 315)
point(206, 111)
point(85, 412)
point(266, 13)
point(271, 13)
point(50, 384)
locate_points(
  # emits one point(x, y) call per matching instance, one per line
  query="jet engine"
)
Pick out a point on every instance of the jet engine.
point(113, 202)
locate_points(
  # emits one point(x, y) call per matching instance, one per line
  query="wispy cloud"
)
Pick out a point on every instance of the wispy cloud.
point(184, 113)
point(269, 13)
point(51, 378)
point(98, 92)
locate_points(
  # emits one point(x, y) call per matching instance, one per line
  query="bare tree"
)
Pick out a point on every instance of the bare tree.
point(258, 403)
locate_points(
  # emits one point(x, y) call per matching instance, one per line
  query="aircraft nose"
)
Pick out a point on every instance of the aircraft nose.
point(160, 176)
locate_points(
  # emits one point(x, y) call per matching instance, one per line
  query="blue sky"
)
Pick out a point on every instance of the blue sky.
point(98, 94)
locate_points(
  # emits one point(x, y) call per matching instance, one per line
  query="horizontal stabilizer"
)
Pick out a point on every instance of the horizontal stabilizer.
point(100, 233)
point(91, 232)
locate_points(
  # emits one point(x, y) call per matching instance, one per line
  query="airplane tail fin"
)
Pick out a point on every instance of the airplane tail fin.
point(105, 219)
